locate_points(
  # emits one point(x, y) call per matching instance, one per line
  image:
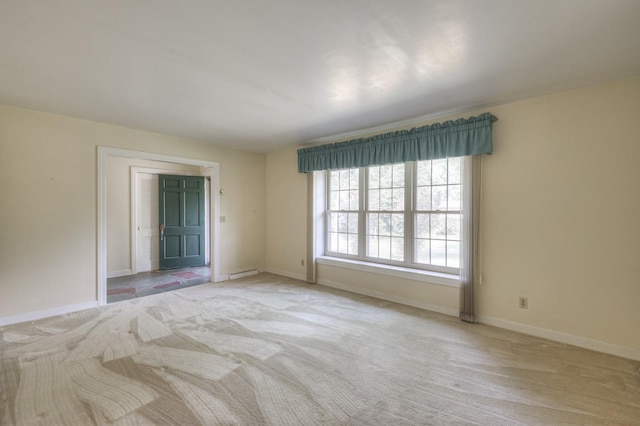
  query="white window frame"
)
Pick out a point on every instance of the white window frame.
point(410, 213)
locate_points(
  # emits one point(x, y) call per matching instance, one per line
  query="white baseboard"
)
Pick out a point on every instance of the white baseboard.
point(243, 274)
point(46, 313)
point(392, 298)
point(301, 277)
point(116, 274)
point(557, 336)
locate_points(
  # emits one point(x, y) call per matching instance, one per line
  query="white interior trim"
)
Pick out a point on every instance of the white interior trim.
point(558, 336)
point(46, 313)
point(213, 169)
point(243, 274)
point(392, 271)
point(134, 207)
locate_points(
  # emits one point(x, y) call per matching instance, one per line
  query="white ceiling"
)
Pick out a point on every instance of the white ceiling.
point(267, 74)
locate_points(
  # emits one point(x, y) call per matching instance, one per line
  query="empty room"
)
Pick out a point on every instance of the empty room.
point(320, 212)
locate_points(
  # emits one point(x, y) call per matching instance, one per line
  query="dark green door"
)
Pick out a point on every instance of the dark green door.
point(181, 221)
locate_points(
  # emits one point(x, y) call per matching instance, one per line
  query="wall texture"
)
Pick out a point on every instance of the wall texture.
point(560, 208)
point(48, 166)
point(286, 215)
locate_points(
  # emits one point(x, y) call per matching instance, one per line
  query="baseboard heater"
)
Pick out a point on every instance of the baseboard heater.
point(243, 274)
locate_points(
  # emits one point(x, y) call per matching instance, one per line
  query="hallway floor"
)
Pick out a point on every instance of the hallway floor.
point(153, 282)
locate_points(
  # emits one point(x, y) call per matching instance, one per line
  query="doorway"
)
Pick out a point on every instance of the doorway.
point(155, 281)
point(181, 219)
point(209, 169)
point(145, 218)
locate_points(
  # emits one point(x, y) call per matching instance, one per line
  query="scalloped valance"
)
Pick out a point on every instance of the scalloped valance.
point(457, 138)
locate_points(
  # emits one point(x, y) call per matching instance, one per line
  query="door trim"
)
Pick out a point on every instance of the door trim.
point(212, 170)
point(135, 170)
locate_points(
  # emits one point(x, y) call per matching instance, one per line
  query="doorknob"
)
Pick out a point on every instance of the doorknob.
point(161, 231)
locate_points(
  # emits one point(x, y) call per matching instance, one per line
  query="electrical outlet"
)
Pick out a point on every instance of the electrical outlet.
point(301, 262)
point(223, 219)
point(523, 302)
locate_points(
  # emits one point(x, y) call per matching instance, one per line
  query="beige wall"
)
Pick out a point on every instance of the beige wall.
point(48, 212)
point(561, 201)
point(286, 215)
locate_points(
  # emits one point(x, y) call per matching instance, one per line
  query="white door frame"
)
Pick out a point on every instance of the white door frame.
point(135, 205)
point(212, 171)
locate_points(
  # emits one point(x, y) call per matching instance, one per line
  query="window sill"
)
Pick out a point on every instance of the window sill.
point(430, 277)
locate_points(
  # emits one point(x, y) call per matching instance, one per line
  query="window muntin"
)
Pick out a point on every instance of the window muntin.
point(403, 214)
point(385, 235)
point(343, 212)
point(437, 214)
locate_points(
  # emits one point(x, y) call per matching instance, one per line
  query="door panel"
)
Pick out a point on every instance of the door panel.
point(148, 234)
point(182, 242)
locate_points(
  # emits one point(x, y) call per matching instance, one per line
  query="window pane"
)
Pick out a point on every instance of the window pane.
point(423, 198)
point(453, 227)
point(385, 176)
point(454, 197)
point(353, 223)
point(438, 226)
point(354, 178)
point(333, 242)
point(333, 222)
point(374, 199)
point(384, 248)
point(424, 173)
point(345, 179)
point(455, 170)
point(439, 197)
point(343, 190)
point(384, 225)
point(397, 225)
point(344, 200)
point(334, 201)
point(373, 246)
point(422, 251)
point(398, 199)
point(354, 199)
point(397, 249)
point(422, 226)
point(353, 244)
point(398, 175)
point(453, 254)
point(439, 172)
point(343, 222)
point(386, 199)
point(343, 243)
point(372, 224)
point(334, 180)
point(374, 177)
point(438, 253)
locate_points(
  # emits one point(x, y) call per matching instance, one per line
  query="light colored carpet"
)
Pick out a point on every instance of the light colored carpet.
point(270, 350)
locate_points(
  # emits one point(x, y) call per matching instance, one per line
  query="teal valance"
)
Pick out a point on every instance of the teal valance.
point(457, 138)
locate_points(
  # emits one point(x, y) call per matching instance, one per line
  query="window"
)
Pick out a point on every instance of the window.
point(406, 214)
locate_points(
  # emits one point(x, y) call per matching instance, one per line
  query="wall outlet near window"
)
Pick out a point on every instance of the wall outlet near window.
point(523, 302)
